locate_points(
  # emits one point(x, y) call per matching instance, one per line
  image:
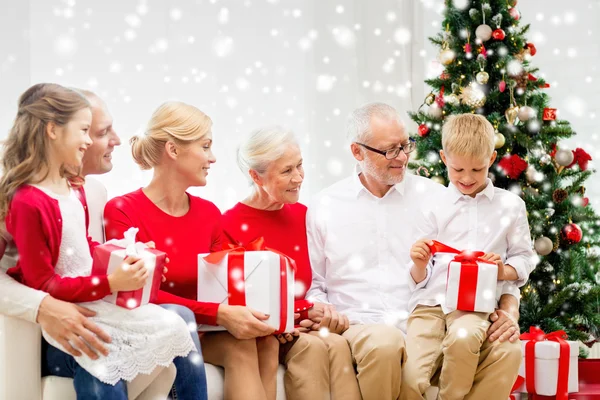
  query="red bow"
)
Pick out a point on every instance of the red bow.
point(537, 335)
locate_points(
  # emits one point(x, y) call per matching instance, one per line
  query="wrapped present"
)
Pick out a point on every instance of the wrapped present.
point(253, 276)
point(516, 386)
point(471, 282)
point(549, 364)
point(108, 257)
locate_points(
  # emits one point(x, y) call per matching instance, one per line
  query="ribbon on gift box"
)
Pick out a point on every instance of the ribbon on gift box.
point(467, 285)
point(535, 335)
point(518, 382)
point(235, 272)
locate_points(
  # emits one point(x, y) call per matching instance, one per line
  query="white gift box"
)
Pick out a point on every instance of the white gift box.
point(260, 286)
point(471, 289)
point(546, 367)
point(110, 255)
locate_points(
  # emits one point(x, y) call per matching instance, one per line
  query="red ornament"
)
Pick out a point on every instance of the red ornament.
point(445, 75)
point(531, 48)
point(440, 98)
point(571, 233)
point(549, 114)
point(483, 51)
point(585, 201)
point(467, 47)
point(423, 130)
point(498, 34)
point(531, 77)
point(502, 86)
point(581, 158)
point(515, 14)
point(554, 150)
point(513, 165)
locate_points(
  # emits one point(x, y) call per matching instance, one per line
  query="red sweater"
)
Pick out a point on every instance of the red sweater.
point(34, 221)
point(283, 230)
point(182, 238)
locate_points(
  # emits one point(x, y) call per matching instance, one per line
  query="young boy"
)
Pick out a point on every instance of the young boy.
point(471, 215)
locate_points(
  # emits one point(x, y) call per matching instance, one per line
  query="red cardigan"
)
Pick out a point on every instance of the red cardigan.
point(283, 230)
point(182, 238)
point(35, 224)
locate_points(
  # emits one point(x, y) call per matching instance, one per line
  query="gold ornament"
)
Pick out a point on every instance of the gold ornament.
point(473, 96)
point(452, 99)
point(430, 99)
point(499, 140)
point(511, 114)
point(482, 77)
point(447, 56)
point(439, 180)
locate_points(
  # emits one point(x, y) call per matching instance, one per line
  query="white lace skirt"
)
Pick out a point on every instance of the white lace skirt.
point(142, 339)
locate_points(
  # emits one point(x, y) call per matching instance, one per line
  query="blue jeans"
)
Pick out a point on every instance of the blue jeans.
point(87, 387)
point(190, 382)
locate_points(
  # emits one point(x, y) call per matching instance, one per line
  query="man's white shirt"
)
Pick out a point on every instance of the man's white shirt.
point(495, 220)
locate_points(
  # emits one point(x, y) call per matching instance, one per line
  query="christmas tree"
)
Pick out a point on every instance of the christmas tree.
point(488, 70)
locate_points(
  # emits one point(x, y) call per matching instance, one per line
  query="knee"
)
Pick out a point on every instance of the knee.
point(267, 345)
point(240, 352)
point(312, 347)
point(385, 344)
point(507, 353)
point(185, 313)
point(462, 339)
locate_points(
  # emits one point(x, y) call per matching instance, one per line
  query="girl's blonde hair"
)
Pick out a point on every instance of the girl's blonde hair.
point(173, 121)
point(468, 135)
point(24, 151)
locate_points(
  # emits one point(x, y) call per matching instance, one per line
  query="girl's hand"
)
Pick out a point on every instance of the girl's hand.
point(130, 275)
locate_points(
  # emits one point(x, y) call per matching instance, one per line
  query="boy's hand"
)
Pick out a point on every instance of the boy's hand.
point(505, 272)
point(420, 253)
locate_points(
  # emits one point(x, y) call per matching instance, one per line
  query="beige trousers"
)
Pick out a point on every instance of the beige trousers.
point(471, 366)
point(319, 368)
point(378, 352)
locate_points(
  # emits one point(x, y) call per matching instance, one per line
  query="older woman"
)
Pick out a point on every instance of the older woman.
point(318, 365)
point(177, 145)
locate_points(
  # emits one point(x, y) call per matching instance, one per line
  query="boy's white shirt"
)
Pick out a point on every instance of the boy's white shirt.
point(20, 301)
point(495, 220)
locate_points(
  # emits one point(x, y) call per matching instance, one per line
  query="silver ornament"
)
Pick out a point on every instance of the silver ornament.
point(483, 32)
point(526, 113)
point(435, 111)
point(452, 99)
point(564, 157)
point(482, 77)
point(543, 246)
point(545, 159)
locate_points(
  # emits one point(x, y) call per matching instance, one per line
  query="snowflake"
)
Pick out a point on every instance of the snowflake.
point(344, 36)
point(402, 36)
point(223, 16)
point(335, 167)
point(223, 46)
point(325, 83)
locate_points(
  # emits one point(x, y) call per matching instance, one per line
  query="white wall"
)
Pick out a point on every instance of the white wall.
point(304, 64)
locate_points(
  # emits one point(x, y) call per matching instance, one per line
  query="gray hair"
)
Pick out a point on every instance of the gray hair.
point(359, 121)
point(262, 147)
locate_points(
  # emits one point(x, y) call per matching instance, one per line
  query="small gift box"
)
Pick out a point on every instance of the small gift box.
point(471, 283)
point(254, 276)
point(108, 257)
point(549, 365)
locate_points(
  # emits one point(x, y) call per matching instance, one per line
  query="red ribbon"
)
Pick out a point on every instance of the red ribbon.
point(537, 335)
point(235, 272)
point(518, 382)
point(469, 272)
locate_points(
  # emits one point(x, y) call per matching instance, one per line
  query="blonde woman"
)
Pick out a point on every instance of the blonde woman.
point(177, 146)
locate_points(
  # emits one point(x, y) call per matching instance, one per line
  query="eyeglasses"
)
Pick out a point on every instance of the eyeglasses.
point(392, 153)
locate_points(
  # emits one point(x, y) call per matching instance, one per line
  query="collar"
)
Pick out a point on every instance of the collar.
point(358, 187)
point(488, 192)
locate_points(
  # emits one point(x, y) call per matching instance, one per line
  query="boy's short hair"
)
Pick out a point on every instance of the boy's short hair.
point(469, 135)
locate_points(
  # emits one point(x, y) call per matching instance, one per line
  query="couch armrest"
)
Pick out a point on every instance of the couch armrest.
point(20, 359)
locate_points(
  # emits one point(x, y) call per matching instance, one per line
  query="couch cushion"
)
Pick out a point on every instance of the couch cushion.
point(55, 388)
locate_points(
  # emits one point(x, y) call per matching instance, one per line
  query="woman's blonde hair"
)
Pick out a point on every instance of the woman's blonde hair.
point(468, 135)
point(173, 121)
point(24, 151)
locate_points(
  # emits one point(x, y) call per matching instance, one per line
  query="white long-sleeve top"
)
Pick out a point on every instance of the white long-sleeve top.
point(495, 220)
point(20, 301)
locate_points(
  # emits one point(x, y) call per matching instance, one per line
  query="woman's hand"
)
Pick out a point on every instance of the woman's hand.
point(243, 322)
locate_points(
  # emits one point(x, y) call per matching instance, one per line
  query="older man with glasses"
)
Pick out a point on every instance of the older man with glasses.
point(360, 231)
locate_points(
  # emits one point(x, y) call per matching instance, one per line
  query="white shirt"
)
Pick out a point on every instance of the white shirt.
point(495, 220)
point(20, 301)
point(359, 247)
